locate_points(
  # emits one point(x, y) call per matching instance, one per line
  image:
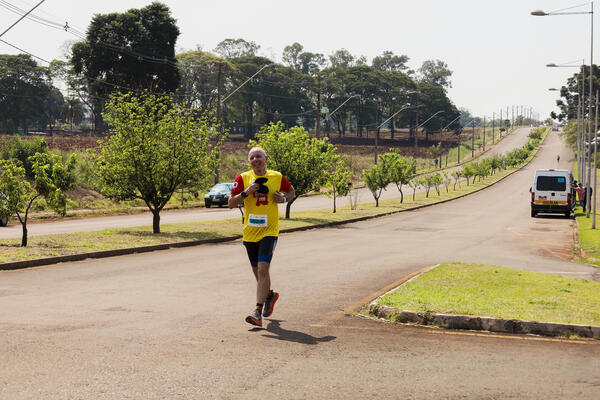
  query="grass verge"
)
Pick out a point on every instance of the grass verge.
point(588, 238)
point(499, 292)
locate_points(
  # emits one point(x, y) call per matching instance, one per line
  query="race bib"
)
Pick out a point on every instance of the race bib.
point(257, 220)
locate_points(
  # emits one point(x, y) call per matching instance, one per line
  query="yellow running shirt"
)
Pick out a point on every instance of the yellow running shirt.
point(261, 214)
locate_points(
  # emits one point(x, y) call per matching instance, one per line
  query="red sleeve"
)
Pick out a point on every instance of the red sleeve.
point(238, 186)
point(285, 185)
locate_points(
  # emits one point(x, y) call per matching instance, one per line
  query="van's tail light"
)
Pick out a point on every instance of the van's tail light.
point(568, 198)
point(532, 196)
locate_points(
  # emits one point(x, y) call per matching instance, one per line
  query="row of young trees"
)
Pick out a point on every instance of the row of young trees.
point(392, 168)
point(134, 51)
point(158, 148)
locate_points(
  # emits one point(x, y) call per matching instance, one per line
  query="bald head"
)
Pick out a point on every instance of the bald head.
point(258, 160)
point(257, 149)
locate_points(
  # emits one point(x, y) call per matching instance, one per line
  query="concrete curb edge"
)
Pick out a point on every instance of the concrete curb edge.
point(467, 322)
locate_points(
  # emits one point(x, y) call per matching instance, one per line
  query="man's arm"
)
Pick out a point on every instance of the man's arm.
point(280, 197)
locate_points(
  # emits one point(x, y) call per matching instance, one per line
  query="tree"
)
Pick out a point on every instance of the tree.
point(376, 179)
point(468, 171)
point(414, 184)
point(291, 55)
point(158, 147)
point(571, 91)
point(339, 179)
point(234, 48)
point(341, 58)
point(199, 85)
point(52, 179)
point(436, 72)
point(24, 91)
point(434, 98)
point(127, 51)
point(457, 174)
point(400, 169)
point(277, 94)
point(390, 62)
point(305, 162)
point(23, 150)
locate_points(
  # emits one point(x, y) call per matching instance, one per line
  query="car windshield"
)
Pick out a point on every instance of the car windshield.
point(221, 187)
point(556, 183)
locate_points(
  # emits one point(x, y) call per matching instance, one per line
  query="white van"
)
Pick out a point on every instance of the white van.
point(552, 192)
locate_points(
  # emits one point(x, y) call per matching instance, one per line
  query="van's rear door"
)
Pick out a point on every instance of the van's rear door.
point(551, 190)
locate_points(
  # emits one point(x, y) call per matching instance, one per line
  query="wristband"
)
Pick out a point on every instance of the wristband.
point(284, 198)
point(244, 194)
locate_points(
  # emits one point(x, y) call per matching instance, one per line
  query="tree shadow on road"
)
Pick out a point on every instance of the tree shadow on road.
point(277, 332)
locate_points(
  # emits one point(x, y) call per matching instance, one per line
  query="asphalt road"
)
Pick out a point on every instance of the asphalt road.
point(170, 324)
point(35, 228)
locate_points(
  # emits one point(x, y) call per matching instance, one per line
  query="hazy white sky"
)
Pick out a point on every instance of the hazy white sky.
point(496, 49)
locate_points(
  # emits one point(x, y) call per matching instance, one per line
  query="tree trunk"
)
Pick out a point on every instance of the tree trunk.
point(24, 237)
point(288, 207)
point(334, 201)
point(155, 221)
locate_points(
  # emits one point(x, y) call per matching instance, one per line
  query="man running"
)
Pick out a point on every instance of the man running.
point(260, 190)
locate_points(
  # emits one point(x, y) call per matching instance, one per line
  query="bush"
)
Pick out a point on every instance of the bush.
point(22, 149)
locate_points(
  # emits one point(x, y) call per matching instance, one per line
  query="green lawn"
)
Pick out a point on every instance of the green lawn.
point(492, 291)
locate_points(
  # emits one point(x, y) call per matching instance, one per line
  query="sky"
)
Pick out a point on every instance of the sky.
point(496, 50)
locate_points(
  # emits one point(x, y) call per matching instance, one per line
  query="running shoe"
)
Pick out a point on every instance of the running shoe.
point(254, 318)
point(270, 304)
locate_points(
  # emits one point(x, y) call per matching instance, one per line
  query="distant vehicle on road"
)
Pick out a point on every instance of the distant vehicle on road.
point(218, 194)
point(555, 126)
point(552, 192)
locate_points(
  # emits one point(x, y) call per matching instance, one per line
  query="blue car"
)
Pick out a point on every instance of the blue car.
point(218, 194)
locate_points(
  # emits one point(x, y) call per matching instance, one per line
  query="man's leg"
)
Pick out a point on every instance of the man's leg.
point(263, 284)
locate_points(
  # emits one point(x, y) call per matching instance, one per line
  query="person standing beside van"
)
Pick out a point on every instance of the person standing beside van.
point(580, 194)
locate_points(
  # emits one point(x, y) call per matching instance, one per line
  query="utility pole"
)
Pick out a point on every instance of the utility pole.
point(473, 141)
point(501, 123)
point(219, 115)
point(595, 161)
point(318, 133)
point(493, 126)
point(484, 133)
point(377, 131)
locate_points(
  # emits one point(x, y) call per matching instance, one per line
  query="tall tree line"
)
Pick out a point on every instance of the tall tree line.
point(134, 51)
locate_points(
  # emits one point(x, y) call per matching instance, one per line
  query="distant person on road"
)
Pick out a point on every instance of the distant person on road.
point(260, 190)
point(558, 158)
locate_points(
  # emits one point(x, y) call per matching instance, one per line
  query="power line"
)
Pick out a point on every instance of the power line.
point(24, 51)
point(19, 20)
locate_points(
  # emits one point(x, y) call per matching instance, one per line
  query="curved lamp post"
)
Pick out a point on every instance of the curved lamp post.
point(384, 122)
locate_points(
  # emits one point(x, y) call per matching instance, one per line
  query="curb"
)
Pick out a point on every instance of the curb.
point(467, 322)
point(14, 265)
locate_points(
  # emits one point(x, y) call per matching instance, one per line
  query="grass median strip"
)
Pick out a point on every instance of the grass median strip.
point(499, 292)
point(113, 239)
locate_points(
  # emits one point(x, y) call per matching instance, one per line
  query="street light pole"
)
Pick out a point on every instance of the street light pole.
point(420, 125)
point(384, 122)
point(444, 128)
